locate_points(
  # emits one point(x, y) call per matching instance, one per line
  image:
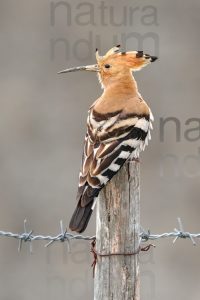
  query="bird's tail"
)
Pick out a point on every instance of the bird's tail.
point(81, 216)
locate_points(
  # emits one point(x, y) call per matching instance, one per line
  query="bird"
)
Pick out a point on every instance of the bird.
point(118, 126)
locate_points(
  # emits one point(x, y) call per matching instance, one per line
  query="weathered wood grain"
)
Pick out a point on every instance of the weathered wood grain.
point(118, 227)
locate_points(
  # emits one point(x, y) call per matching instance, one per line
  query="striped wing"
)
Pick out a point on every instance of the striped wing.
point(109, 142)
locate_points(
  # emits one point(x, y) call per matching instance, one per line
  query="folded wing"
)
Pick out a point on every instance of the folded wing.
point(109, 142)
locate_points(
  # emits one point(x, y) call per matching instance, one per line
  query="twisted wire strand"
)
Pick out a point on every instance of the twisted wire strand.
point(65, 236)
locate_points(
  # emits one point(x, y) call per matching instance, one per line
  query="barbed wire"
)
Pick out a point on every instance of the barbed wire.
point(177, 233)
point(28, 236)
point(65, 236)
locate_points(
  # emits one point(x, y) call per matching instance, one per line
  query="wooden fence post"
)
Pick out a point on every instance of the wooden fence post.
point(118, 228)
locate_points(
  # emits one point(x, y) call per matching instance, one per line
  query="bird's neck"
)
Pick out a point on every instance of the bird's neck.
point(125, 85)
point(117, 95)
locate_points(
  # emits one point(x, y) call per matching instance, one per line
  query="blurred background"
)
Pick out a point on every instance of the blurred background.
point(42, 127)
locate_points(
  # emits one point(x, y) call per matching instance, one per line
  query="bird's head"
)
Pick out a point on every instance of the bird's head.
point(116, 65)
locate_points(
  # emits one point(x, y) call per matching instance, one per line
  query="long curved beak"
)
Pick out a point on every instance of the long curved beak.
point(93, 68)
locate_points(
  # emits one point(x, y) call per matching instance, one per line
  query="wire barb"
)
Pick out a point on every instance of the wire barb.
point(25, 236)
point(182, 234)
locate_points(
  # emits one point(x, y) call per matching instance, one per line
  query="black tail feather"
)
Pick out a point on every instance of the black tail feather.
point(81, 217)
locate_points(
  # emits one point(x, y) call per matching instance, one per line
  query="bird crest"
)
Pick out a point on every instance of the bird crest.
point(131, 60)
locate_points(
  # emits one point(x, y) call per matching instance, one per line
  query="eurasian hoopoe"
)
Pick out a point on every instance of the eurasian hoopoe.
point(118, 127)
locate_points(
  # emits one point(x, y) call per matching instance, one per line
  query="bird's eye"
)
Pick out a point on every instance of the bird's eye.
point(107, 66)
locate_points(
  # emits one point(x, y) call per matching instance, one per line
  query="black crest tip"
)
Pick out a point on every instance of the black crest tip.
point(139, 54)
